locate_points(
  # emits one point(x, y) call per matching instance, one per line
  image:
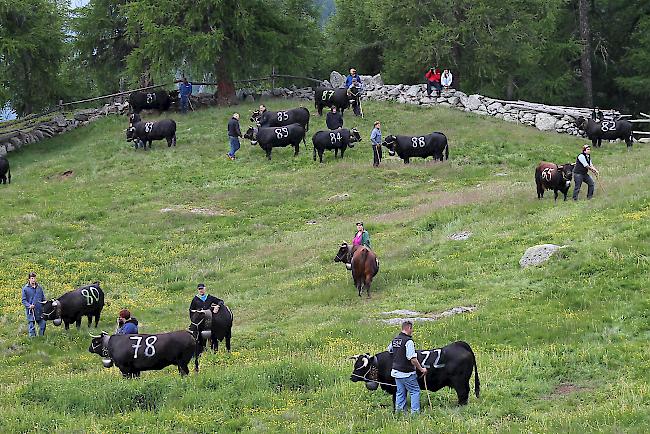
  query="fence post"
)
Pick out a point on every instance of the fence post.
point(272, 79)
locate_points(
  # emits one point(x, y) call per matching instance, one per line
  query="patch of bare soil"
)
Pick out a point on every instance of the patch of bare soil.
point(564, 389)
point(200, 211)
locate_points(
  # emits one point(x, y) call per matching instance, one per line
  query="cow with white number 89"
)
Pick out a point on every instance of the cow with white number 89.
point(70, 307)
point(135, 353)
point(276, 137)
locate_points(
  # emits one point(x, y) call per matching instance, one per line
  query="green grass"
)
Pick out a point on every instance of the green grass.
point(581, 319)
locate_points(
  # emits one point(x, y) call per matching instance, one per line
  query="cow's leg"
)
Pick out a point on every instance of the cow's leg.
point(320, 154)
point(342, 151)
point(90, 320)
point(461, 386)
point(183, 369)
point(315, 154)
point(555, 191)
point(268, 154)
point(296, 149)
point(228, 335)
point(368, 282)
point(78, 323)
point(97, 319)
point(67, 325)
point(628, 141)
point(406, 160)
point(540, 190)
point(169, 142)
point(174, 140)
point(214, 344)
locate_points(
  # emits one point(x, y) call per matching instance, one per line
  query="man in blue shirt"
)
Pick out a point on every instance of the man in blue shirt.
point(32, 296)
point(375, 141)
point(405, 362)
point(355, 87)
point(127, 325)
point(185, 90)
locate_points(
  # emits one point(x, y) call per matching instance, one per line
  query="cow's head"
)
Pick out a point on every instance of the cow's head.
point(51, 311)
point(581, 122)
point(343, 255)
point(99, 345)
point(173, 95)
point(201, 322)
point(130, 133)
point(354, 137)
point(567, 171)
point(390, 142)
point(134, 118)
point(255, 117)
point(251, 134)
point(365, 369)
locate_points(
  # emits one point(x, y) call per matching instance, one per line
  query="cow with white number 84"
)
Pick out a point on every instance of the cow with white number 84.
point(70, 307)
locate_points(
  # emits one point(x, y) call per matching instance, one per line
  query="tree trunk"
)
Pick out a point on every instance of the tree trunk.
point(225, 85)
point(510, 87)
point(457, 47)
point(585, 58)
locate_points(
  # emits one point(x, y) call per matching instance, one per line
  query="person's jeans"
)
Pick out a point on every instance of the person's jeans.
point(234, 145)
point(32, 327)
point(376, 155)
point(184, 103)
point(578, 179)
point(411, 385)
point(435, 84)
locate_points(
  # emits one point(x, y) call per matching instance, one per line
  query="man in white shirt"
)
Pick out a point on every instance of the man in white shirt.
point(581, 173)
point(405, 363)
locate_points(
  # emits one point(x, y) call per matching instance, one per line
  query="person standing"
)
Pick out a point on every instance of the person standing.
point(334, 120)
point(185, 90)
point(581, 173)
point(354, 86)
point(126, 324)
point(433, 81)
point(405, 363)
point(375, 141)
point(32, 296)
point(597, 115)
point(263, 119)
point(353, 79)
point(203, 300)
point(446, 79)
point(234, 133)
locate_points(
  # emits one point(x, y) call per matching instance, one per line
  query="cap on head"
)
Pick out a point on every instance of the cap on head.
point(31, 274)
point(359, 223)
point(125, 313)
point(200, 286)
point(585, 147)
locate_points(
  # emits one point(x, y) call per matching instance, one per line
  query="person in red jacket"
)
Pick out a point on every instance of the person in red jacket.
point(433, 80)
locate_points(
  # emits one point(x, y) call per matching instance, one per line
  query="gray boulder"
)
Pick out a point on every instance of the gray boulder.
point(538, 254)
point(336, 79)
point(545, 122)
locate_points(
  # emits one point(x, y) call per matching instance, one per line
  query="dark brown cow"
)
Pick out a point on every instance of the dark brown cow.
point(364, 264)
point(550, 176)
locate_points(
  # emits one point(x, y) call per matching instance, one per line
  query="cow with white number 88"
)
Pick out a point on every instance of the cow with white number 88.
point(406, 147)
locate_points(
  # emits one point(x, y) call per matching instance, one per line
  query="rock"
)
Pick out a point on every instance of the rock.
point(312, 222)
point(454, 100)
point(427, 100)
point(473, 102)
point(414, 90)
point(460, 236)
point(394, 91)
point(494, 107)
point(249, 98)
point(3, 150)
point(340, 196)
point(545, 122)
point(402, 312)
point(538, 254)
point(337, 80)
point(60, 121)
point(401, 99)
point(378, 80)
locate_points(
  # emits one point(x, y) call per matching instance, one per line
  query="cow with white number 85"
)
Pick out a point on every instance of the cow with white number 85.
point(70, 307)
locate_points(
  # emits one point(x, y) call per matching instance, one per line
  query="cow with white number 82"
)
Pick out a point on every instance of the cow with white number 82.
point(70, 307)
point(135, 353)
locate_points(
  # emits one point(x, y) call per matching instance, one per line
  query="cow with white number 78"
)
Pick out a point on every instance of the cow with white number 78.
point(70, 307)
point(135, 353)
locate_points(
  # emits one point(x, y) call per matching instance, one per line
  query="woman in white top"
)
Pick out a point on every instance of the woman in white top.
point(446, 79)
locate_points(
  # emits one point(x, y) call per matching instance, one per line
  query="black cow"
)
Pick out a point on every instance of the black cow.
point(5, 171)
point(133, 354)
point(158, 100)
point(432, 145)
point(70, 307)
point(282, 118)
point(336, 140)
point(206, 324)
point(276, 137)
point(449, 366)
point(134, 118)
point(146, 132)
point(363, 264)
point(606, 129)
point(327, 97)
point(550, 176)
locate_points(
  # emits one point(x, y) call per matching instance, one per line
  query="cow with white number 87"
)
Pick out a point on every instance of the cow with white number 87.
point(70, 307)
point(134, 353)
point(406, 147)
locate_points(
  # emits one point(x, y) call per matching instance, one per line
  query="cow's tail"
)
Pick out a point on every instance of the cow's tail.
point(447, 151)
point(9, 175)
point(477, 382)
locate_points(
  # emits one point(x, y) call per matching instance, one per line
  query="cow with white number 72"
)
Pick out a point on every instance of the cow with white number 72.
point(135, 353)
point(70, 307)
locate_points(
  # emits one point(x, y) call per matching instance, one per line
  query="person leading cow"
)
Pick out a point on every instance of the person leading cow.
point(354, 88)
point(405, 363)
point(203, 300)
point(581, 173)
point(375, 141)
point(32, 298)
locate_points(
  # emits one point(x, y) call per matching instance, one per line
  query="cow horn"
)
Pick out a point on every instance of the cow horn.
point(365, 362)
point(93, 336)
point(55, 303)
point(193, 310)
point(42, 302)
point(104, 332)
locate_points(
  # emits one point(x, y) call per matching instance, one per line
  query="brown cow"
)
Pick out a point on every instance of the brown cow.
point(550, 176)
point(364, 264)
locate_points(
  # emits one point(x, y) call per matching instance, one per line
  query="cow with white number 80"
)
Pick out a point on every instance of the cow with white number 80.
point(276, 137)
point(70, 307)
point(135, 353)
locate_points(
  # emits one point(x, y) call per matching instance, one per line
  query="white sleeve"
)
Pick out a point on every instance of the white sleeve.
point(583, 160)
point(410, 350)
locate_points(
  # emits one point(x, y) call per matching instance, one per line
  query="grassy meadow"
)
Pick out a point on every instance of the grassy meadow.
point(560, 348)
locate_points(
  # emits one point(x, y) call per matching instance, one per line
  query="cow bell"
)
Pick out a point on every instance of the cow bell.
point(205, 334)
point(348, 266)
point(57, 321)
point(107, 363)
point(372, 385)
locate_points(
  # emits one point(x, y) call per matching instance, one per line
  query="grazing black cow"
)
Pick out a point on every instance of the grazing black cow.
point(606, 129)
point(134, 118)
point(206, 324)
point(449, 366)
point(70, 307)
point(282, 118)
point(550, 176)
point(364, 264)
point(327, 97)
point(159, 100)
point(5, 171)
point(336, 140)
point(142, 133)
point(133, 354)
point(432, 145)
point(276, 137)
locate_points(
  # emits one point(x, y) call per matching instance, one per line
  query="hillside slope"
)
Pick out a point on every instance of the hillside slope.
point(561, 347)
